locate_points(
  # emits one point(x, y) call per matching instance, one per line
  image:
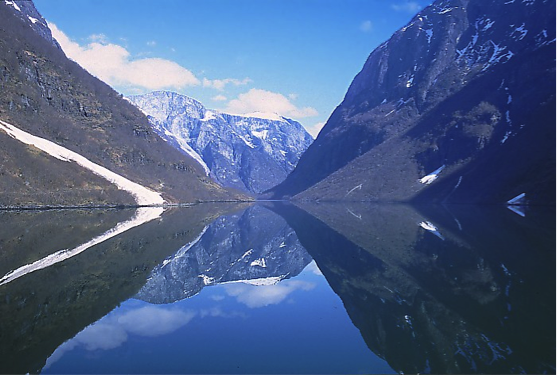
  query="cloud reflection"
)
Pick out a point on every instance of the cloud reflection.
point(113, 330)
point(152, 321)
point(260, 296)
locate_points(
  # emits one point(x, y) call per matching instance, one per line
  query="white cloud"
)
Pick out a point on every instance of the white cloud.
point(219, 98)
point(113, 64)
point(260, 296)
point(256, 100)
point(366, 26)
point(313, 268)
point(113, 330)
point(102, 335)
point(97, 38)
point(151, 43)
point(220, 84)
point(315, 129)
point(152, 321)
point(407, 6)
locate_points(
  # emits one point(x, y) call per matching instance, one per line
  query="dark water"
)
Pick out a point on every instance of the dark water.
point(276, 288)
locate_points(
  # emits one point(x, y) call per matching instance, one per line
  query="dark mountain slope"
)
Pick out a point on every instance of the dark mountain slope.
point(44, 93)
point(466, 87)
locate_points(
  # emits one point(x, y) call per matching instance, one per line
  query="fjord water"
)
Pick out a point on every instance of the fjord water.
point(279, 288)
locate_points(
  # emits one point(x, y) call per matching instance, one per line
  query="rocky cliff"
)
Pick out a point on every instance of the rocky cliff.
point(458, 106)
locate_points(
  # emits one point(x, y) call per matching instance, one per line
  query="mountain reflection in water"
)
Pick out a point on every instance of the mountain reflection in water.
point(233, 289)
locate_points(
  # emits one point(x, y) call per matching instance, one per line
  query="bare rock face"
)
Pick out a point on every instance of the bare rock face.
point(466, 90)
point(249, 153)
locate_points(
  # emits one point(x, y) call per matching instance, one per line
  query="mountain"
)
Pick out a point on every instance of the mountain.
point(457, 106)
point(254, 246)
point(46, 95)
point(250, 153)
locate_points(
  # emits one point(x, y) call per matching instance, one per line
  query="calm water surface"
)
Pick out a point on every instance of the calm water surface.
point(276, 288)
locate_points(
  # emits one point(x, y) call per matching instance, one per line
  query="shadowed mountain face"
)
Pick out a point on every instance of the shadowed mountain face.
point(457, 106)
point(464, 290)
point(43, 309)
point(49, 96)
point(248, 153)
point(255, 246)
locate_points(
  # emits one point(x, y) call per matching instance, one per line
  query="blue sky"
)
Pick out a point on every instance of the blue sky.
point(293, 57)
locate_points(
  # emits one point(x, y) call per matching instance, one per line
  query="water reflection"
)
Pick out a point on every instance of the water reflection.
point(45, 308)
point(255, 247)
point(459, 290)
point(426, 289)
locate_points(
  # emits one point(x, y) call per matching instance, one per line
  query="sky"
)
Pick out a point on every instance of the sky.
point(295, 58)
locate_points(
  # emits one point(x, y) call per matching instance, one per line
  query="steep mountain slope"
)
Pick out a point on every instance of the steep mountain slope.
point(252, 154)
point(49, 96)
point(457, 106)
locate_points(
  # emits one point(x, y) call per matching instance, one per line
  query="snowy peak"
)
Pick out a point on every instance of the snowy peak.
point(249, 152)
point(162, 104)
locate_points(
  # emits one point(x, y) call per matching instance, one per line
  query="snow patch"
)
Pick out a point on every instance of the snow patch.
point(518, 200)
point(264, 116)
point(261, 134)
point(359, 187)
point(207, 280)
point(259, 262)
point(432, 176)
point(142, 195)
point(488, 25)
point(12, 3)
point(208, 116)
point(264, 281)
point(431, 228)
point(429, 34)
point(142, 215)
point(184, 249)
point(184, 146)
point(446, 10)
point(246, 254)
point(521, 31)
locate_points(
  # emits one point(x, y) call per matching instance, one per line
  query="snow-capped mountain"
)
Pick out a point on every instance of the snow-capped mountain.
point(255, 246)
point(251, 153)
point(458, 105)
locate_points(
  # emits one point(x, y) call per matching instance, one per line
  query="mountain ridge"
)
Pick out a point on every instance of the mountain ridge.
point(460, 60)
point(248, 152)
